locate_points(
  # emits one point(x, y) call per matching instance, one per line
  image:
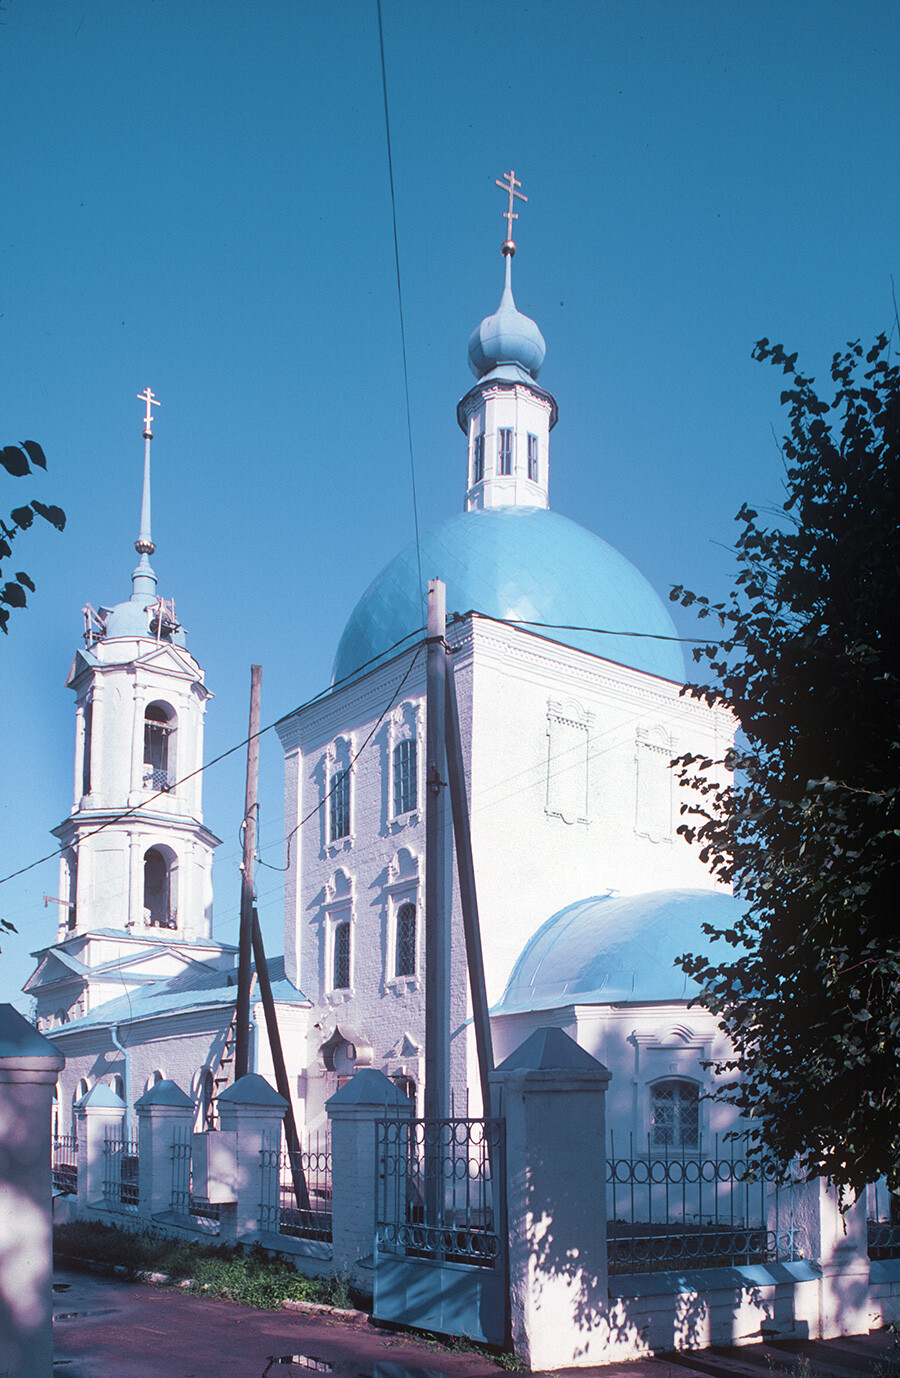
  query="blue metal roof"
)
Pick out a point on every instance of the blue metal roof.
point(607, 950)
point(526, 563)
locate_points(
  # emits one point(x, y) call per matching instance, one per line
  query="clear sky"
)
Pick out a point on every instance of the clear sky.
point(196, 197)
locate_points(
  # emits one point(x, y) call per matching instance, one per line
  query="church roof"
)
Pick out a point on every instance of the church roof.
point(606, 950)
point(195, 988)
point(523, 563)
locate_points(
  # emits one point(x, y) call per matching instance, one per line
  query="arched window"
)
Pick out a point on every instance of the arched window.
point(153, 1080)
point(405, 948)
point(405, 777)
point(159, 747)
point(159, 890)
point(118, 1085)
point(342, 956)
point(87, 720)
point(339, 820)
point(205, 1093)
point(675, 1115)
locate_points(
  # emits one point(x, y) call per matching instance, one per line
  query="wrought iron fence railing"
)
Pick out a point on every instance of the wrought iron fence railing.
point(65, 1163)
point(695, 1208)
point(297, 1189)
point(120, 1173)
point(441, 1190)
point(184, 1202)
point(883, 1221)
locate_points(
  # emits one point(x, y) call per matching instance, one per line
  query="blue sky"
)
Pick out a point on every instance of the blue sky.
point(197, 198)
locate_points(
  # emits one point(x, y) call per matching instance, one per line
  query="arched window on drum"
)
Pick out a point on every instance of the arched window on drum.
point(675, 1116)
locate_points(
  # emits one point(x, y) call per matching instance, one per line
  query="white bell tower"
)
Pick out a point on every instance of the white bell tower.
point(135, 880)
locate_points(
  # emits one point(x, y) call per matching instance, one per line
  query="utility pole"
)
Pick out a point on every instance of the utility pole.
point(437, 910)
point(245, 942)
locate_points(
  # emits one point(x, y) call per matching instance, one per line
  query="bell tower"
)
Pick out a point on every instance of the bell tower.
point(135, 878)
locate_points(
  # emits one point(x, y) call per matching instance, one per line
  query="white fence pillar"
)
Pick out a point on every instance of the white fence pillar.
point(165, 1114)
point(254, 1112)
point(29, 1066)
point(352, 1112)
point(838, 1243)
point(98, 1114)
point(552, 1094)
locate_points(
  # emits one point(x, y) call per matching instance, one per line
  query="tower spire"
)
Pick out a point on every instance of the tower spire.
point(143, 579)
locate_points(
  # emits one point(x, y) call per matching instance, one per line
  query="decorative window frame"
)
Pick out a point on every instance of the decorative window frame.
point(571, 714)
point(650, 743)
point(534, 451)
point(671, 1052)
point(406, 723)
point(338, 756)
point(403, 889)
point(339, 908)
point(477, 457)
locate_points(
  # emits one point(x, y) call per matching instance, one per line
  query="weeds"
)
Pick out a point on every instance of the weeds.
point(251, 1277)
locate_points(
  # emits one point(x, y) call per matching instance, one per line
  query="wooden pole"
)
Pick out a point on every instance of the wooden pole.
point(245, 941)
point(301, 1193)
point(437, 916)
point(467, 893)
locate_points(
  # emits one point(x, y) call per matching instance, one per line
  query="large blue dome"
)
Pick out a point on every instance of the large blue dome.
point(519, 562)
point(607, 950)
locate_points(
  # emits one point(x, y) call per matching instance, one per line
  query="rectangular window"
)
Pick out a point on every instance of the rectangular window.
point(405, 954)
point(533, 458)
point(478, 459)
point(504, 451)
point(405, 777)
point(342, 956)
point(339, 819)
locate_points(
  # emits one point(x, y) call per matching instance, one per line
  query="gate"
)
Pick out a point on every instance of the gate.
point(440, 1228)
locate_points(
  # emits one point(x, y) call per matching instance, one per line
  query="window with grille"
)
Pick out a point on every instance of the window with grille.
point(675, 1115)
point(342, 956)
point(504, 451)
point(478, 459)
point(533, 458)
point(339, 821)
point(405, 964)
point(405, 777)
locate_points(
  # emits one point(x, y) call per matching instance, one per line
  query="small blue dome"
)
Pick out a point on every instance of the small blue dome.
point(519, 562)
point(506, 337)
point(605, 951)
point(131, 618)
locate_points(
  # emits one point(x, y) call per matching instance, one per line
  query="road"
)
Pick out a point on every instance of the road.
point(106, 1328)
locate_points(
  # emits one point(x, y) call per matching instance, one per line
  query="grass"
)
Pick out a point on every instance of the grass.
point(249, 1276)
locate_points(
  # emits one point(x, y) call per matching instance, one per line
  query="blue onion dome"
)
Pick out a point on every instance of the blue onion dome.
point(506, 338)
point(608, 950)
point(524, 563)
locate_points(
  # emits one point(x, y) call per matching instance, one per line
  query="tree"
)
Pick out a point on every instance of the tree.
point(808, 832)
point(15, 461)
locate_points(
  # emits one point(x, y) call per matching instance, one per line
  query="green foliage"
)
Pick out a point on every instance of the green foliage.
point(15, 460)
point(253, 1277)
point(809, 832)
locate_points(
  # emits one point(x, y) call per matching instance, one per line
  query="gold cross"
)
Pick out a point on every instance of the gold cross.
point(147, 396)
point(510, 215)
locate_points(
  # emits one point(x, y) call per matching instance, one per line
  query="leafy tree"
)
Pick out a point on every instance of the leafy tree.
point(808, 832)
point(15, 460)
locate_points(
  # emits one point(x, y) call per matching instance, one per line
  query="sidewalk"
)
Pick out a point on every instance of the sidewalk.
point(105, 1328)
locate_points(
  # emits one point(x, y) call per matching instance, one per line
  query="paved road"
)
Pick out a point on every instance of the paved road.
point(104, 1328)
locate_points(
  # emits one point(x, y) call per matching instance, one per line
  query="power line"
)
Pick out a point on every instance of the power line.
point(412, 470)
point(598, 631)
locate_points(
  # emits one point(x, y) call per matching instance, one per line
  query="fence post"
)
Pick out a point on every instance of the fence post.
point(552, 1095)
point(838, 1243)
point(96, 1114)
point(163, 1113)
point(29, 1066)
point(352, 1112)
point(254, 1111)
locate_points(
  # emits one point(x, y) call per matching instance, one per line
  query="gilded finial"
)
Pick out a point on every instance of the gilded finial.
point(509, 215)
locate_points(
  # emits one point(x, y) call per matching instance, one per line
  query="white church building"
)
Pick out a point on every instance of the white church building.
point(569, 677)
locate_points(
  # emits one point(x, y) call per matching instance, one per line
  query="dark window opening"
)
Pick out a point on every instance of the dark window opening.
point(159, 910)
point(478, 460)
point(405, 963)
point(342, 956)
point(405, 777)
point(339, 823)
point(504, 451)
point(86, 758)
point(533, 458)
point(158, 728)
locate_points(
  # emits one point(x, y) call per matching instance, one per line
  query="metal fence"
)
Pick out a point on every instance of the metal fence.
point(440, 1189)
point(883, 1221)
point(297, 1189)
point(120, 1173)
point(184, 1202)
point(65, 1163)
point(669, 1209)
